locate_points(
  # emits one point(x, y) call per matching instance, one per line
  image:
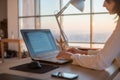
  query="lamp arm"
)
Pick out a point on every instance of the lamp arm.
point(62, 10)
point(79, 4)
point(62, 33)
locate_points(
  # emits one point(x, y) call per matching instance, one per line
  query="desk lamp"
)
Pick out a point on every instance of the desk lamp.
point(79, 4)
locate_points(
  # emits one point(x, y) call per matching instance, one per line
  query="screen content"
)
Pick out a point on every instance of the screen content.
point(41, 42)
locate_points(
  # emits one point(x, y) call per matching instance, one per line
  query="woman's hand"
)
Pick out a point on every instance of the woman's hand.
point(76, 51)
point(67, 54)
point(64, 55)
point(73, 50)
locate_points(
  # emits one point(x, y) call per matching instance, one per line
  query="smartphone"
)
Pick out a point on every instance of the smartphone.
point(65, 75)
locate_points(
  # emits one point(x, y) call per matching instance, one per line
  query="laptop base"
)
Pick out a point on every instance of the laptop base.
point(54, 63)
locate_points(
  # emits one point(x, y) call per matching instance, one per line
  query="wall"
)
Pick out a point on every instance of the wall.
point(12, 6)
point(3, 9)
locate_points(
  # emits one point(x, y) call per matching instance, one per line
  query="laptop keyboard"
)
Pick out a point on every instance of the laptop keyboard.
point(48, 55)
point(51, 57)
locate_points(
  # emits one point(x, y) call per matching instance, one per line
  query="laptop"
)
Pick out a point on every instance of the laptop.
point(41, 45)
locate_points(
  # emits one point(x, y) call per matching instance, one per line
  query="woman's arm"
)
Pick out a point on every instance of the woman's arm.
point(77, 51)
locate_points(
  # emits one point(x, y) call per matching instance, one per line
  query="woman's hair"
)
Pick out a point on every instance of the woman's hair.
point(117, 7)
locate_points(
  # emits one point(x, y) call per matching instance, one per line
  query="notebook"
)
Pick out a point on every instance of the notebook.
point(41, 45)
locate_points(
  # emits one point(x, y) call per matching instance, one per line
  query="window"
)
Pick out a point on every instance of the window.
point(90, 28)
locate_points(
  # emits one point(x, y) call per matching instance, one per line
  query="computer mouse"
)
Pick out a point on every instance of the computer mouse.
point(34, 65)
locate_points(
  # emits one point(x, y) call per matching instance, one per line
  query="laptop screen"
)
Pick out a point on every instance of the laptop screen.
point(39, 41)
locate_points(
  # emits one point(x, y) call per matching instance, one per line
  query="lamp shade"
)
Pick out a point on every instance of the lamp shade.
point(79, 4)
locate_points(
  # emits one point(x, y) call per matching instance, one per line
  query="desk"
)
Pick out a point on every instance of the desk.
point(18, 41)
point(84, 73)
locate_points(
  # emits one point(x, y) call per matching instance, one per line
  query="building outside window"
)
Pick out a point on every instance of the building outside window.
point(90, 28)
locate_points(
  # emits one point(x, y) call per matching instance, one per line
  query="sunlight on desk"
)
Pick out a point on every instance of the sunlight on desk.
point(84, 73)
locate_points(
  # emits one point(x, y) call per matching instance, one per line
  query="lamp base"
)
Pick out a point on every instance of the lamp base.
point(62, 45)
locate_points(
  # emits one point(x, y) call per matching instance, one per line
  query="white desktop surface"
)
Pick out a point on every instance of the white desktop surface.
point(84, 73)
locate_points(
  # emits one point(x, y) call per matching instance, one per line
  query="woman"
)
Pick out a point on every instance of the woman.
point(99, 59)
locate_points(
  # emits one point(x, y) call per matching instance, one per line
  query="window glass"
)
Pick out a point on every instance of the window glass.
point(77, 28)
point(49, 7)
point(83, 45)
point(26, 8)
point(37, 7)
point(98, 6)
point(50, 23)
point(104, 25)
point(76, 24)
point(20, 7)
point(38, 22)
point(97, 45)
point(26, 23)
